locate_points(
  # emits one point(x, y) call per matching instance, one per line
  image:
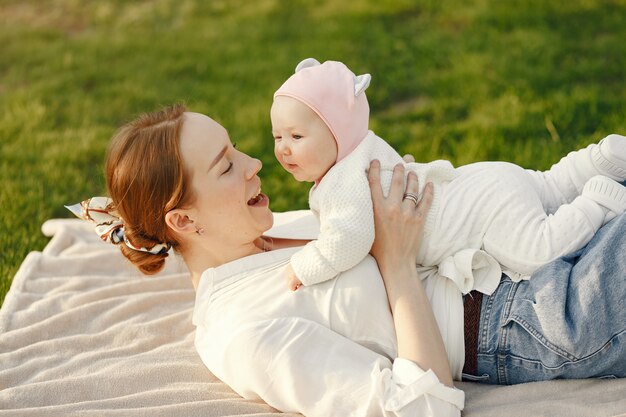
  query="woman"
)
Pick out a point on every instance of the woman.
point(336, 348)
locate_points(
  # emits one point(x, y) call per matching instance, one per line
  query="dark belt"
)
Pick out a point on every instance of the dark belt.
point(471, 310)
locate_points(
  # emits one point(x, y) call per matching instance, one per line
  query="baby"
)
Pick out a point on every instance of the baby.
point(522, 218)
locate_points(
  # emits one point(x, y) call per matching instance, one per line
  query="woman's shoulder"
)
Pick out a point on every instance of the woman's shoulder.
point(243, 267)
point(223, 291)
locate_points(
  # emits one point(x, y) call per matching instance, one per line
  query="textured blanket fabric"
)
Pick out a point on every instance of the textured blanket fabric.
point(83, 333)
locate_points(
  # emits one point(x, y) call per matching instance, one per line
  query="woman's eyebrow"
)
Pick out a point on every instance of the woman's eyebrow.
point(218, 157)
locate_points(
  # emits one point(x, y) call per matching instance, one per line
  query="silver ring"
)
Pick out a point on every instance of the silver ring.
point(412, 197)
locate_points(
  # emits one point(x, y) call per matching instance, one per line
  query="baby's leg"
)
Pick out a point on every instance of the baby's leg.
point(524, 237)
point(565, 180)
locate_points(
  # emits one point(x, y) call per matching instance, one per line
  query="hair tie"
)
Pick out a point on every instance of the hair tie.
point(109, 226)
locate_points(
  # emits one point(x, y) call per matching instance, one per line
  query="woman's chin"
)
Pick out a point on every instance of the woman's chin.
point(270, 223)
point(261, 211)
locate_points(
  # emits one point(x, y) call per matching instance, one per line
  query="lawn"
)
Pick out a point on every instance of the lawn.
point(523, 81)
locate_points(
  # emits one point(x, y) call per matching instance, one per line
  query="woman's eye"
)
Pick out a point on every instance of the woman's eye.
point(230, 165)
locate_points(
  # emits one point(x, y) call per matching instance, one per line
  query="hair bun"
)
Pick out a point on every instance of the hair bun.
point(147, 262)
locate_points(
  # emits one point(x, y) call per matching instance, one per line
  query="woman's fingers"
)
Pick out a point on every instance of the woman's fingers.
point(373, 175)
point(410, 198)
point(398, 219)
point(397, 183)
point(408, 158)
point(398, 193)
point(427, 199)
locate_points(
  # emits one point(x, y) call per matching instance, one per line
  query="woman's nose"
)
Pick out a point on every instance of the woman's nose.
point(254, 166)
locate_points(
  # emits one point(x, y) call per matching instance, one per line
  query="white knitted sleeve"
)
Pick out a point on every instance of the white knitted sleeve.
point(346, 230)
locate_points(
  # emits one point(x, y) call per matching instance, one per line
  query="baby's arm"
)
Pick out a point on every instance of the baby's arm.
point(346, 230)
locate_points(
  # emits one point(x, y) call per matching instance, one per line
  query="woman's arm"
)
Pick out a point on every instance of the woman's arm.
point(399, 227)
point(298, 365)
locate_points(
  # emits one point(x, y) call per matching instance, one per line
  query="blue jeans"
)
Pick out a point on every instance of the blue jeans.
point(567, 321)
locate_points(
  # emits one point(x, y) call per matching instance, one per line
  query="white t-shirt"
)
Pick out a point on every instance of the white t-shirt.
point(325, 350)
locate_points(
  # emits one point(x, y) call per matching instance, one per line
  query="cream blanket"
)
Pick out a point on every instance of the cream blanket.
point(83, 333)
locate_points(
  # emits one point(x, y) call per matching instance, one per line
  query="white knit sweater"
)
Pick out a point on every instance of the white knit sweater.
point(343, 203)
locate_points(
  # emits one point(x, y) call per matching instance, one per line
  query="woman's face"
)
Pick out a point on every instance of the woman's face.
point(227, 202)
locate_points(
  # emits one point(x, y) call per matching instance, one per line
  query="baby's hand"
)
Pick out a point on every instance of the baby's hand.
point(292, 279)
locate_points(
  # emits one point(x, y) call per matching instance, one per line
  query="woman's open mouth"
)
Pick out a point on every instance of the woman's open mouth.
point(258, 199)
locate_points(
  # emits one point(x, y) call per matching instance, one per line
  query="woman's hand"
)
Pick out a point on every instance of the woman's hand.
point(399, 224)
point(398, 221)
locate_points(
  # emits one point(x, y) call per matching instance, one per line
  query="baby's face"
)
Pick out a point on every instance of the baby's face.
point(303, 144)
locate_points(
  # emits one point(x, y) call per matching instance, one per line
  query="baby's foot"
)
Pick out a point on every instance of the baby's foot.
point(610, 157)
point(607, 193)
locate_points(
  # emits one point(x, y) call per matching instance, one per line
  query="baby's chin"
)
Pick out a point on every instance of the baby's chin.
point(300, 176)
point(303, 178)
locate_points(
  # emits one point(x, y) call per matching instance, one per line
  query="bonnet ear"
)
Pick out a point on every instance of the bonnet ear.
point(361, 83)
point(309, 62)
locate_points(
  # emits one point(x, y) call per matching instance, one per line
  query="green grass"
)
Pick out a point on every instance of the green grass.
point(523, 81)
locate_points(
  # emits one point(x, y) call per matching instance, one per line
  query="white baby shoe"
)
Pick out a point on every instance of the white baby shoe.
point(607, 193)
point(610, 157)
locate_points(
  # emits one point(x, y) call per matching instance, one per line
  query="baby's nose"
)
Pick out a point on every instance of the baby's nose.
point(283, 148)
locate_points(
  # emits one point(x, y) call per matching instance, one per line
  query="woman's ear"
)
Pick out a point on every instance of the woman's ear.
point(179, 222)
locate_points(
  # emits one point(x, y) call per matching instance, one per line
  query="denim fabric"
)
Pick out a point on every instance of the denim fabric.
point(567, 321)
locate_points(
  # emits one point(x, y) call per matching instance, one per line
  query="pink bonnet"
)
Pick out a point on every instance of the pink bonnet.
point(336, 95)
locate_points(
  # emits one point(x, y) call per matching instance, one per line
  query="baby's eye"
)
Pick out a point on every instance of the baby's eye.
point(297, 137)
point(277, 137)
point(230, 165)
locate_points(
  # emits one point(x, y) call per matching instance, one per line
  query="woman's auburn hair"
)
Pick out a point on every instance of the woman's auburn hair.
point(146, 178)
